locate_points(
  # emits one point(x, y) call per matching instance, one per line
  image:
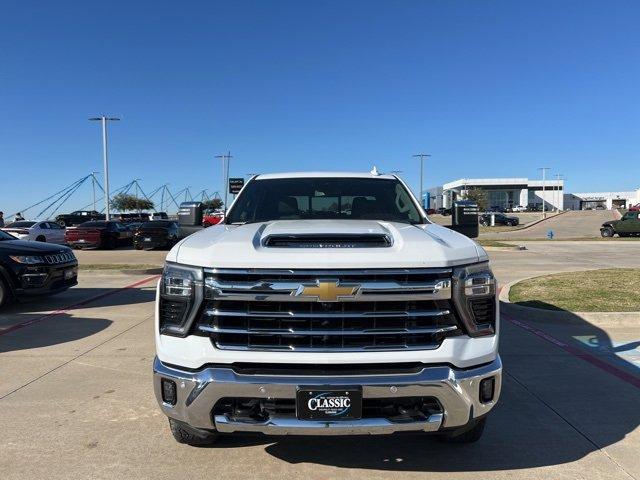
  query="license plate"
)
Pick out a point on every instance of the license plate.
point(147, 239)
point(82, 240)
point(69, 273)
point(317, 403)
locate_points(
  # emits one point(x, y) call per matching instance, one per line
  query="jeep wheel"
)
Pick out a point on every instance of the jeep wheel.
point(189, 435)
point(607, 232)
point(4, 293)
point(471, 435)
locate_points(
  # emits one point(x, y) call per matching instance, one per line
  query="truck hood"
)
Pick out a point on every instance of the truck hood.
point(241, 246)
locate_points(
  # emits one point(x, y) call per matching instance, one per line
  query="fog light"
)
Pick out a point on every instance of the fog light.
point(168, 391)
point(487, 388)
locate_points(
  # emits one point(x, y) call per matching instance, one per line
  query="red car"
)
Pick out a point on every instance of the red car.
point(635, 208)
point(212, 218)
point(98, 234)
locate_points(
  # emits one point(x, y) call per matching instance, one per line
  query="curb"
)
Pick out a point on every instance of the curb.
point(515, 248)
point(599, 319)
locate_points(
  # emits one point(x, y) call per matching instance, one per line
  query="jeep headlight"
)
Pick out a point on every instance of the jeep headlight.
point(27, 259)
point(474, 296)
point(180, 298)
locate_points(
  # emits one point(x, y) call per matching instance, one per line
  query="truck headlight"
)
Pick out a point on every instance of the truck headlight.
point(474, 296)
point(180, 298)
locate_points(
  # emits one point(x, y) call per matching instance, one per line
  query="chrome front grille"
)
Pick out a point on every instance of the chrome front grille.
point(328, 310)
point(62, 257)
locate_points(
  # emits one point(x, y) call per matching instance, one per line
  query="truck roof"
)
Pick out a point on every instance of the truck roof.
point(268, 176)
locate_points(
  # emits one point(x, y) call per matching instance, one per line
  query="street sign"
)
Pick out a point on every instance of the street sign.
point(235, 185)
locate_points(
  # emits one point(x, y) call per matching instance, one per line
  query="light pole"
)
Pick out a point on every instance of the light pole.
point(421, 156)
point(558, 178)
point(544, 183)
point(226, 159)
point(105, 159)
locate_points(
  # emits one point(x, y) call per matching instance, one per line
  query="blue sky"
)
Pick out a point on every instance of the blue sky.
point(489, 88)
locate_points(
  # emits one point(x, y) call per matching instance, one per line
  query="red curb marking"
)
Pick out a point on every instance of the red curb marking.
point(60, 311)
point(579, 353)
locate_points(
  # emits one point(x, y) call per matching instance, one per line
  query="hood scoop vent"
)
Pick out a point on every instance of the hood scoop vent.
point(307, 240)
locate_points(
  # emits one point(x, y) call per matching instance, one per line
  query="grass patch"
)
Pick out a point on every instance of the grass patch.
point(117, 266)
point(494, 243)
point(608, 290)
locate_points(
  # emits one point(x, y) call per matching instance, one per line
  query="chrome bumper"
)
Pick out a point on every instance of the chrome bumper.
point(457, 391)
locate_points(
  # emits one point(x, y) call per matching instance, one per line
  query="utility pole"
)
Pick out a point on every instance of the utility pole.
point(226, 159)
point(421, 156)
point(544, 183)
point(105, 159)
point(560, 192)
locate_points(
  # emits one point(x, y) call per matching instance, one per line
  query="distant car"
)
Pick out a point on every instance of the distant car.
point(519, 209)
point(158, 216)
point(49, 232)
point(500, 219)
point(159, 233)
point(431, 211)
point(600, 207)
point(443, 211)
point(212, 218)
point(78, 217)
point(635, 208)
point(132, 217)
point(99, 234)
point(34, 268)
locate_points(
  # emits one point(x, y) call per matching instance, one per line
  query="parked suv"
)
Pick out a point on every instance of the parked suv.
point(326, 304)
point(628, 225)
point(499, 219)
point(33, 268)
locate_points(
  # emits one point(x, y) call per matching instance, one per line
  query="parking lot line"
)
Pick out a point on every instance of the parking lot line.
point(82, 303)
point(576, 352)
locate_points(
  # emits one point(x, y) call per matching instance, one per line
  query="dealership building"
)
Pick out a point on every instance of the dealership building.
point(501, 192)
point(507, 193)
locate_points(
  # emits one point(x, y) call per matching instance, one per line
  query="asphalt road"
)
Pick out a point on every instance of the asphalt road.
point(77, 402)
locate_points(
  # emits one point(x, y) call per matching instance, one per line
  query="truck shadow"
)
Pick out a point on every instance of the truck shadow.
point(555, 408)
point(37, 328)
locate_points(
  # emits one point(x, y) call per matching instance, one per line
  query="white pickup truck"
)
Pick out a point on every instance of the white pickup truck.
point(326, 304)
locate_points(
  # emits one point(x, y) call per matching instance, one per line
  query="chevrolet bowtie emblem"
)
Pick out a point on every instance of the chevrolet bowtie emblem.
point(327, 291)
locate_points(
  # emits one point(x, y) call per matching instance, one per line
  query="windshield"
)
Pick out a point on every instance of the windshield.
point(22, 224)
point(324, 198)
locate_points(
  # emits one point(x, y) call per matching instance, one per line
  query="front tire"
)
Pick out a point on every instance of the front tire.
point(189, 435)
point(5, 294)
point(607, 232)
point(470, 435)
point(41, 238)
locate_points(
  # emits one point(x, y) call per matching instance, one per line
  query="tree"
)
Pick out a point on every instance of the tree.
point(124, 202)
point(213, 204)
point(479, 196)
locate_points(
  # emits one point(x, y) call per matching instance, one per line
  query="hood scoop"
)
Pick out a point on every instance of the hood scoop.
point(327, 240)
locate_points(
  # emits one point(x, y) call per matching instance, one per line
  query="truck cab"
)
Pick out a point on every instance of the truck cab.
point(326, 304)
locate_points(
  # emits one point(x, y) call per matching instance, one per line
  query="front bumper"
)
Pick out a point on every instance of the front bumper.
point(457, 391)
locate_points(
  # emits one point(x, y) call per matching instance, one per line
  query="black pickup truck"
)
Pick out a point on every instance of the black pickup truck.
point(627, 226)
point(78, 217)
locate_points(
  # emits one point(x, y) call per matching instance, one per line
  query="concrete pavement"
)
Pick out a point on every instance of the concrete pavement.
point(77, 402)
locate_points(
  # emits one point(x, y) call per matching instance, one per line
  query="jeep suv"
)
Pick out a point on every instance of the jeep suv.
point(326, 304)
